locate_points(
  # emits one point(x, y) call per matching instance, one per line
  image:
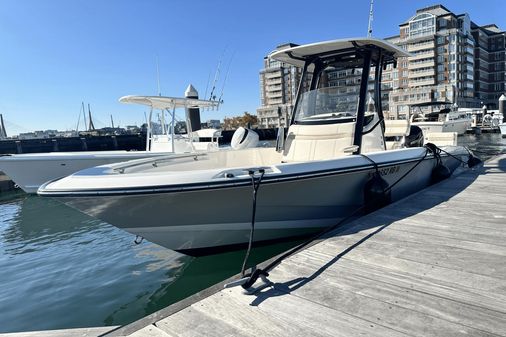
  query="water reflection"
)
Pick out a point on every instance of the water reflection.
point(33, 223)
point(63, 269)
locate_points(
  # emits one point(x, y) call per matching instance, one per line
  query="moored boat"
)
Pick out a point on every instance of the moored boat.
point(31, 170)
point(322, 172)
point(502, 128)
point(442, 120)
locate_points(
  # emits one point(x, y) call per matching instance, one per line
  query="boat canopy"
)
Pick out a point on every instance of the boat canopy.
point(298, 55)
point(164, 102)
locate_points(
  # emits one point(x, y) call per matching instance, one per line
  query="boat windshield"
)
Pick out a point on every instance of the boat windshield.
point(333, 94)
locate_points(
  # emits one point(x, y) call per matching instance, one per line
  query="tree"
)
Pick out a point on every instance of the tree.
point(235, 122)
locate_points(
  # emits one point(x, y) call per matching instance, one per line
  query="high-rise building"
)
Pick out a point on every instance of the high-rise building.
point(278, 88)
point(454, 61)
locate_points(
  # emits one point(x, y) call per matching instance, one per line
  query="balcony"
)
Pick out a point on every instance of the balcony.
point(422, 56)
point(276, 87)
point(422, 82)
point(424, 64)
point(425, 73)
point(273, 82)
point(420, 46)
point(274, 74)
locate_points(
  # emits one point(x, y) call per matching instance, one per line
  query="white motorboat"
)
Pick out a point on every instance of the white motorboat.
point(502, 128)
point(334, 151)
point(443, 120)
point(29, 171)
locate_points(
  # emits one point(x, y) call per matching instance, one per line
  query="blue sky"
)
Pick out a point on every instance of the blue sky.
point(56, 53)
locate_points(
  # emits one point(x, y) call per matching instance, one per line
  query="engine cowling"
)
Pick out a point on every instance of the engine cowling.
point(244, 138)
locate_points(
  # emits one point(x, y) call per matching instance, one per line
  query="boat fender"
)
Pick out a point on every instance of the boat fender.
point(440, 173)
point(244, 138)
point(473, 161)
point(376, 193)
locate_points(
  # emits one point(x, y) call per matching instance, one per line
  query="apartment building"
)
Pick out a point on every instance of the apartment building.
point(278, 88)
point(454, 61)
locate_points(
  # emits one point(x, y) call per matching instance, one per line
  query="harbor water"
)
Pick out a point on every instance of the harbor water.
point(63, 269)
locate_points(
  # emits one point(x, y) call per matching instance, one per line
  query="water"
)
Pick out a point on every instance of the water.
point(63, 269)
point(485, 145)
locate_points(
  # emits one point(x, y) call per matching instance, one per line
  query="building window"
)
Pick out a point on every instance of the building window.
point(421, 25)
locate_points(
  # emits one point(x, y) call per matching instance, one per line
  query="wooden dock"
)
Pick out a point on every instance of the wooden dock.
point(433, 264)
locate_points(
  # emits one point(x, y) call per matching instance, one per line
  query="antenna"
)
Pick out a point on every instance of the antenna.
point(158, 76)
point(217, 75)
point(371, 17)
point(207, 85)
point(226, 76)
point(112, 122)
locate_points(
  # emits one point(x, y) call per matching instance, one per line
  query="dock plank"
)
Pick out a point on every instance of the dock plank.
point(431, 264)
point(411, 312)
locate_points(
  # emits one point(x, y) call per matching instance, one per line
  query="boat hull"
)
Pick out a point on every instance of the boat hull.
point(29, 171)
point(207, 220)
point(502, 128)
point(458, 126)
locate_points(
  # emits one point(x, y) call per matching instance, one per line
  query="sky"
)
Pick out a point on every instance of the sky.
point(55, 54)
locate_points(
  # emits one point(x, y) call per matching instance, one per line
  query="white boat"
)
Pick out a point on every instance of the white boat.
point(29, 171)
point(443, 120)
point(502, 128)
point(334, 151)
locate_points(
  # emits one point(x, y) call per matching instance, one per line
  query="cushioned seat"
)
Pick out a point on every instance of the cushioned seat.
point(318, 142)
point(396, 127)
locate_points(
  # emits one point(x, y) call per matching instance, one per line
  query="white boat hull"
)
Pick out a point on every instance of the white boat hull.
point(29, 171)
point(199, 220)
point(458, 126)
point(502, 127)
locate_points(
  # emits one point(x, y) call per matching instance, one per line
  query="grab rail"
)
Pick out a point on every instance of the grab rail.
point(156, 160)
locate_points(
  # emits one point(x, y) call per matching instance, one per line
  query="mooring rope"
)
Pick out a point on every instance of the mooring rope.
point(255, 183)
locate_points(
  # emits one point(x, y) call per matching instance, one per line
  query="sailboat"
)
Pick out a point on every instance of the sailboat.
point(320, 173)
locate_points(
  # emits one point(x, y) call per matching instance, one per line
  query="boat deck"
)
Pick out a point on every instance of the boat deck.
point(433, 264)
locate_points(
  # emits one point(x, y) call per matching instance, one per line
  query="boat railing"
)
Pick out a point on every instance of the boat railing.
point(155, 161)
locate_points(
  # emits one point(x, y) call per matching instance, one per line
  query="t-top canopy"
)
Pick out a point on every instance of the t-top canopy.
point(163, 102)
point(297, 55)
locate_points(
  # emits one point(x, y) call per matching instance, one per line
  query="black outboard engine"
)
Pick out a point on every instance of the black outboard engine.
point(415, 137)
